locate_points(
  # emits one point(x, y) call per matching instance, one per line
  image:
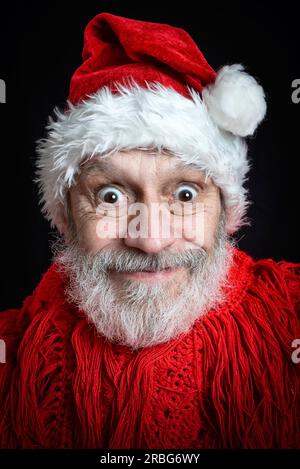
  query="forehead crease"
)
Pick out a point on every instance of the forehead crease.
point(109, 167)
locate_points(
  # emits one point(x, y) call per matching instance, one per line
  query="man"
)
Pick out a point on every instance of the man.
point(151, 329)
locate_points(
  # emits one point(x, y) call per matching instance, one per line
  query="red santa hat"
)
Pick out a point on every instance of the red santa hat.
point(147, 85)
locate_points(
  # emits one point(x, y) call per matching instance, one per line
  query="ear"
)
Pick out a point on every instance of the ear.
point(62, 225)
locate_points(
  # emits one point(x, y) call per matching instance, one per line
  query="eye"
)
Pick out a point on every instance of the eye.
point(110, 195)
point(186, 193)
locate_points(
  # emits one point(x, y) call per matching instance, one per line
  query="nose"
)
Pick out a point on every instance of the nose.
point(148, 245)
point(151, 230)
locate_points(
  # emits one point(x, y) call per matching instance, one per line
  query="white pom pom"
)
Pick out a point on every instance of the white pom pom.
point(235, 101)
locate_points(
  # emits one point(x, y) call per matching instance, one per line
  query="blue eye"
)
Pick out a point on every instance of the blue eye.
point(186, 193)
point(110, 195)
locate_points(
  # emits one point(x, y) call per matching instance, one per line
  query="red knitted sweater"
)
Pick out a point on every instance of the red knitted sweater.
point(230, 382)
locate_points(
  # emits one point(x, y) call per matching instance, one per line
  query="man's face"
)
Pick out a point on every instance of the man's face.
point(138, 177)
point(147, 241)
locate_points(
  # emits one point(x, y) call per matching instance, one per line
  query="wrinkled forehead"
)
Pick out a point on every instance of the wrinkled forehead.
point(145, 163)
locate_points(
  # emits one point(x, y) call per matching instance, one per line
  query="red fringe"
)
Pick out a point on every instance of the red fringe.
point(251, 397)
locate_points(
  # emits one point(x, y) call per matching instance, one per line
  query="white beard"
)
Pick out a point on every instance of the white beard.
point(139, 314)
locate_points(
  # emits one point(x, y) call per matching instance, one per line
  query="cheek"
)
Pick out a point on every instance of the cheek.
point(87, 228)
point(89, 239)
point(211, 221)
point(200, 229)
point(96, 232)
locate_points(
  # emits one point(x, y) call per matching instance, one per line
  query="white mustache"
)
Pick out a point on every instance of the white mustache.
point(129, 261)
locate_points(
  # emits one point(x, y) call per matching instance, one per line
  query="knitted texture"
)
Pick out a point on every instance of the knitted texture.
point(228, 383)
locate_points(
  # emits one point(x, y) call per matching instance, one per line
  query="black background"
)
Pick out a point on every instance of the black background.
point(40, 48)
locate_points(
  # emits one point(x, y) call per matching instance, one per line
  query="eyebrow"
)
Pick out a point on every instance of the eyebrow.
point(103, 166)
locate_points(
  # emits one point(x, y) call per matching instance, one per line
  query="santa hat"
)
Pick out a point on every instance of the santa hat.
point(147, 85)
